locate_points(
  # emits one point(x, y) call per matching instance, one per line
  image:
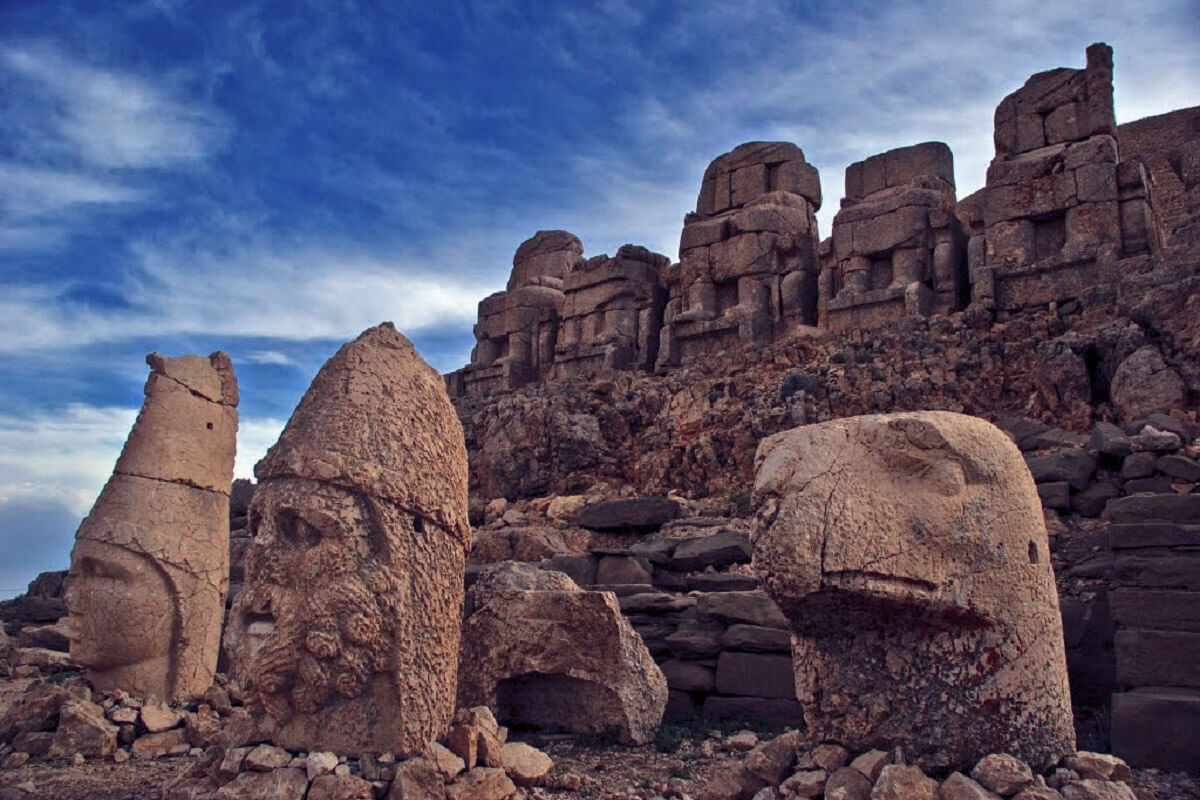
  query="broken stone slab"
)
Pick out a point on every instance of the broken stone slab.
point(847, 784)
point(1075, 466)
point(417, 779)
point(1138, 719)
point(960, 787)
point(167, 743)
point(638, 513)
point(82, 728)
point(751, 608)
point(1110, 440)
point(340, 787)
point(897, 782)
point(280, 784)
point(481, 783)
point(755, 675)
point(525, 765)
point(557, 658)
point(1002, 773)
point(719, 550)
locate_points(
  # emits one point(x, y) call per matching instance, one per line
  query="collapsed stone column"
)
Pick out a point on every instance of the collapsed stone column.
point(146, 590)
point(748, 262)
point(346, 633)
point(909, 555)
point(898, 248)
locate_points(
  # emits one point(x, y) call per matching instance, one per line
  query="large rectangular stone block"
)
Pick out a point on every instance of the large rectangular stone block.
point(747, 183)
point(1030, 198)
point(756, 675)
point(1167, 569)
point(1128, 535)
point(1160, 609)
point(1182, 508)
point(1157, 727)
point(1097, 182)
point(904, 227)
point(797, 177)
point(775, 711)
point(1154, 658)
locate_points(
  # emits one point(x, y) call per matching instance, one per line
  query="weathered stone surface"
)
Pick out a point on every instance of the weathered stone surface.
point(418, 779)
point(960, 787)
point(751, 608)
point(805, 783)
point(447, 762)
point(340, 787)
point(769, 711)
point(36, 709)
point(82, 728)
point(280, 784)
point(319, 763)
point(150, 566)
point(718, 550)
point(158, 717)
point(755, 675)
point(872, 762)
point(1143, 508)
point(1075, 466)
point(353, 592)
point(265, 758)
point(481, 783)
point(1145, 384)
point(1002, 773)
point(756, 639)
point(557, 658)
point(885, 524)
point(1097, 790)
point(525, 765)
point(1110, 440)
point(847, 784)
point(1100, 766)
point(166, 743)
point(1141, 717)
point(1158, 658)
point(904, 783)
point(688, 676)
point(638, 512)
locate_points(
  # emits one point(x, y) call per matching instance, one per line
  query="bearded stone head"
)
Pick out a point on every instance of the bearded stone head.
point(346, 631)
point(909, 554)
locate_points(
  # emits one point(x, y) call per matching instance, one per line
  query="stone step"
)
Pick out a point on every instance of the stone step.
point(1129, 535)
point(1183, 508)
point(1163, 569)
point(1157, 727)
point(1158, 658)
point(1164, 609)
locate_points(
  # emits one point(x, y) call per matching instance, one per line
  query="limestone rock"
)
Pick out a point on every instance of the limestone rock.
point(481, 783)
point(960, 787)
point(898, 782)
point(872, 762)
point(885, 523)
point(318, 764)
point(525, 765)
point(1100, 766)
point(265, 758)
point(1145, 384)
point(82, 728)
point(447, 763)
point(158, 717)
point(559, 658)
point(1002, 773)
point(151, 560)
point(36, 709)
point(1092, 789)
point(637, 512)
point(417, 779)
point(805, 783)
point(772, 761)
point(340, 787)
point(847, 784)
point(280, 784)
point(353, 584)
point(157, 745)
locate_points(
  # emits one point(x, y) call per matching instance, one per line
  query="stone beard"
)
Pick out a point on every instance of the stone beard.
point(346, 618)
point(909, 554)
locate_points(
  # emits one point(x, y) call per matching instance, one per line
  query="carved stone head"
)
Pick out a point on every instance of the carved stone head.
point(146, 590)
point(346, 633)
point(909, 554)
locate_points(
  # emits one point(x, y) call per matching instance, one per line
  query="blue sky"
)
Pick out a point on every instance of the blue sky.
point(269, 178)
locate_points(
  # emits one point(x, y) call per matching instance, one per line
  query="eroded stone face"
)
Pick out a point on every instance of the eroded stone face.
point(909, 555)
point(146, 591)
point(346, 632)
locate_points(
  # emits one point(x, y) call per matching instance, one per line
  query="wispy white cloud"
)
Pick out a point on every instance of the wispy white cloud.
point(27, 191)
point(272, 357)
point(255, 436)
point(115, 119)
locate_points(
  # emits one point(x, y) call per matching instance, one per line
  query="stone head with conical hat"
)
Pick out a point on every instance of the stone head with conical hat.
point(346, 633)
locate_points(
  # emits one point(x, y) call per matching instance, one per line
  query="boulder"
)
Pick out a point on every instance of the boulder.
point(82, 728)
point(280, 784)
point(524, 765)
point(847, 784)
point(542, 652)
point(1002, 773)
point(898, 782)
point(1144, 384)
point(481, 783)
point(417, 779)
point(340, 787)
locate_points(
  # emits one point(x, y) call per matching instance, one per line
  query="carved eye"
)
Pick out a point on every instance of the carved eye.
point(95, 568)
point(297, 531)
point(947, 477)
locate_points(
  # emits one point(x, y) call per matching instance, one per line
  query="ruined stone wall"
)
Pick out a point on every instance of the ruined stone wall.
point(1169, 146)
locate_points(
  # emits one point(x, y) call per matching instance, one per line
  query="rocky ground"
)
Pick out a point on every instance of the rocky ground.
point(683, 762)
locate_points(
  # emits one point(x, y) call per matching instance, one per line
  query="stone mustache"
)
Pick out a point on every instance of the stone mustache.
point(150, 567)
point(346, 633)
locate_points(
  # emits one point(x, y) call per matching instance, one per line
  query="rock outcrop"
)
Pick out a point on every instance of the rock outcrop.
point(542, 652)
point(146, 590)
point(908, 553)
point(346, 633)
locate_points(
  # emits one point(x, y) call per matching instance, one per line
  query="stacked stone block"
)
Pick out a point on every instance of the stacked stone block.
point(747, 255)
point(1156, 544)
point(612, 313)
point(1059, 207)
point(898, 247)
